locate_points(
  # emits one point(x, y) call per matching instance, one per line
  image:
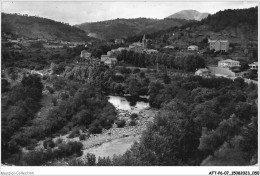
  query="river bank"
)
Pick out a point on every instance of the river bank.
point(114, 140)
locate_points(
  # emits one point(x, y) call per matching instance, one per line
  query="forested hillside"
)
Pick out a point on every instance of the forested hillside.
point(238, 26)
point(40, 28)
point(232, 18)
point(123, 28)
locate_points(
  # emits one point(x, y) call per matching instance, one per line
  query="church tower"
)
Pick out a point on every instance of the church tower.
point(144, 42)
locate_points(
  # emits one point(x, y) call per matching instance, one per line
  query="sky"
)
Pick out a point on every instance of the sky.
point(78, 12)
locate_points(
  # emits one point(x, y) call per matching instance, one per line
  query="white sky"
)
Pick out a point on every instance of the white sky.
point(80, 12)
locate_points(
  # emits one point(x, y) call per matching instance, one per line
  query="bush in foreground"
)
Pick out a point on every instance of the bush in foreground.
point(121, 123)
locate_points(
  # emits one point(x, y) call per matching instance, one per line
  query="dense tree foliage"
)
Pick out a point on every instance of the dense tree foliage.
point(19, 106)
point(188, 63)
point(200, 120)
point(233, 18)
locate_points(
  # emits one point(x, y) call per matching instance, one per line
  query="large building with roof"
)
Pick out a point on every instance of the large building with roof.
point(228, 63)
point(253, 66)
point(219, 45)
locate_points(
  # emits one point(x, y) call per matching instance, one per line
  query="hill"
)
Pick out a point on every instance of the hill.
point(239, 26)
point(189, 15)
point(123, 28)
point(40, 28)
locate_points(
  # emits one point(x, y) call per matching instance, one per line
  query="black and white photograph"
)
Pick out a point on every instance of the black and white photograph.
point(129, 83)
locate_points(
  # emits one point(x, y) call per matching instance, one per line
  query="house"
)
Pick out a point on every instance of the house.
point(228, 63)
point(202, 72)
point(16, 46)
point(107, 60)
point(151, 51)
point(84, 54)
point(136, 47)
point(119, 41)
point(169, 47)
point(193, 48)
point(115, 52)
point(253, 66)
point(219, 45)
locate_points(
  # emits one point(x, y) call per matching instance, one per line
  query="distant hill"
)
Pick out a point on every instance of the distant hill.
point(35, 27)
point(189, 15)
point(123, 28)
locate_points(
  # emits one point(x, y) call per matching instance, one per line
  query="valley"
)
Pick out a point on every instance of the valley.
point(141, 92)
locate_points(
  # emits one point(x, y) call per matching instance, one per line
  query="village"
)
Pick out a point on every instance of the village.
point(229, 67)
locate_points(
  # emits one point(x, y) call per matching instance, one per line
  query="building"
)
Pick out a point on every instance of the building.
point(202, 72)
point(107, 60)
point(253, 66)
point(193, 48)
point(169, 47)
point(219, 45)
point(119, 41)
point(136, 47)
point(228, 63)
point(139, 47)
point(151, 51)
point(84, 54)
point(115, 52)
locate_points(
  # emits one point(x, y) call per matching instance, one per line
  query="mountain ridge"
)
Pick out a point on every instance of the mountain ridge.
point(189, 15)
point(32, 27)
point(124, 28)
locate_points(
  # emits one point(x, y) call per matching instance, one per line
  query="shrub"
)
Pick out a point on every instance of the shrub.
point(50, 89)
point(69, 149)
point(74, 133)
point(133, 116)
point(132, 123)
point(54, 101)
point(121, 123)
point(82, 137)
point(95, 129)
point(136, 70)
point(48, 143)
point(44, 77)
point(59, 141)
point(64, 96)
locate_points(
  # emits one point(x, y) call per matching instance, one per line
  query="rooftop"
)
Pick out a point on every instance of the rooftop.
point(203, 70)
point(229, 60)
point(254, 63)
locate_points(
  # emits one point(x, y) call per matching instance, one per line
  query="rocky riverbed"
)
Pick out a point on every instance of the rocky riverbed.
point(144, 117)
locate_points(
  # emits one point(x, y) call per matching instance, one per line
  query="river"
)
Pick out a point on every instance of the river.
point(121, 145)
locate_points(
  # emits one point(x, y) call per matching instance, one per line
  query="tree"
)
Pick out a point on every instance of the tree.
point(133, 88)
point(166, 78)
point(4, 85)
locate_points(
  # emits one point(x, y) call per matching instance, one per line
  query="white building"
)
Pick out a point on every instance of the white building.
point(202, 72)
point(228, 63)
point(119, 41)
point(107, 60)
point(193, 48)
point(169, 47)
point(253, 66)
point(84, 54)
